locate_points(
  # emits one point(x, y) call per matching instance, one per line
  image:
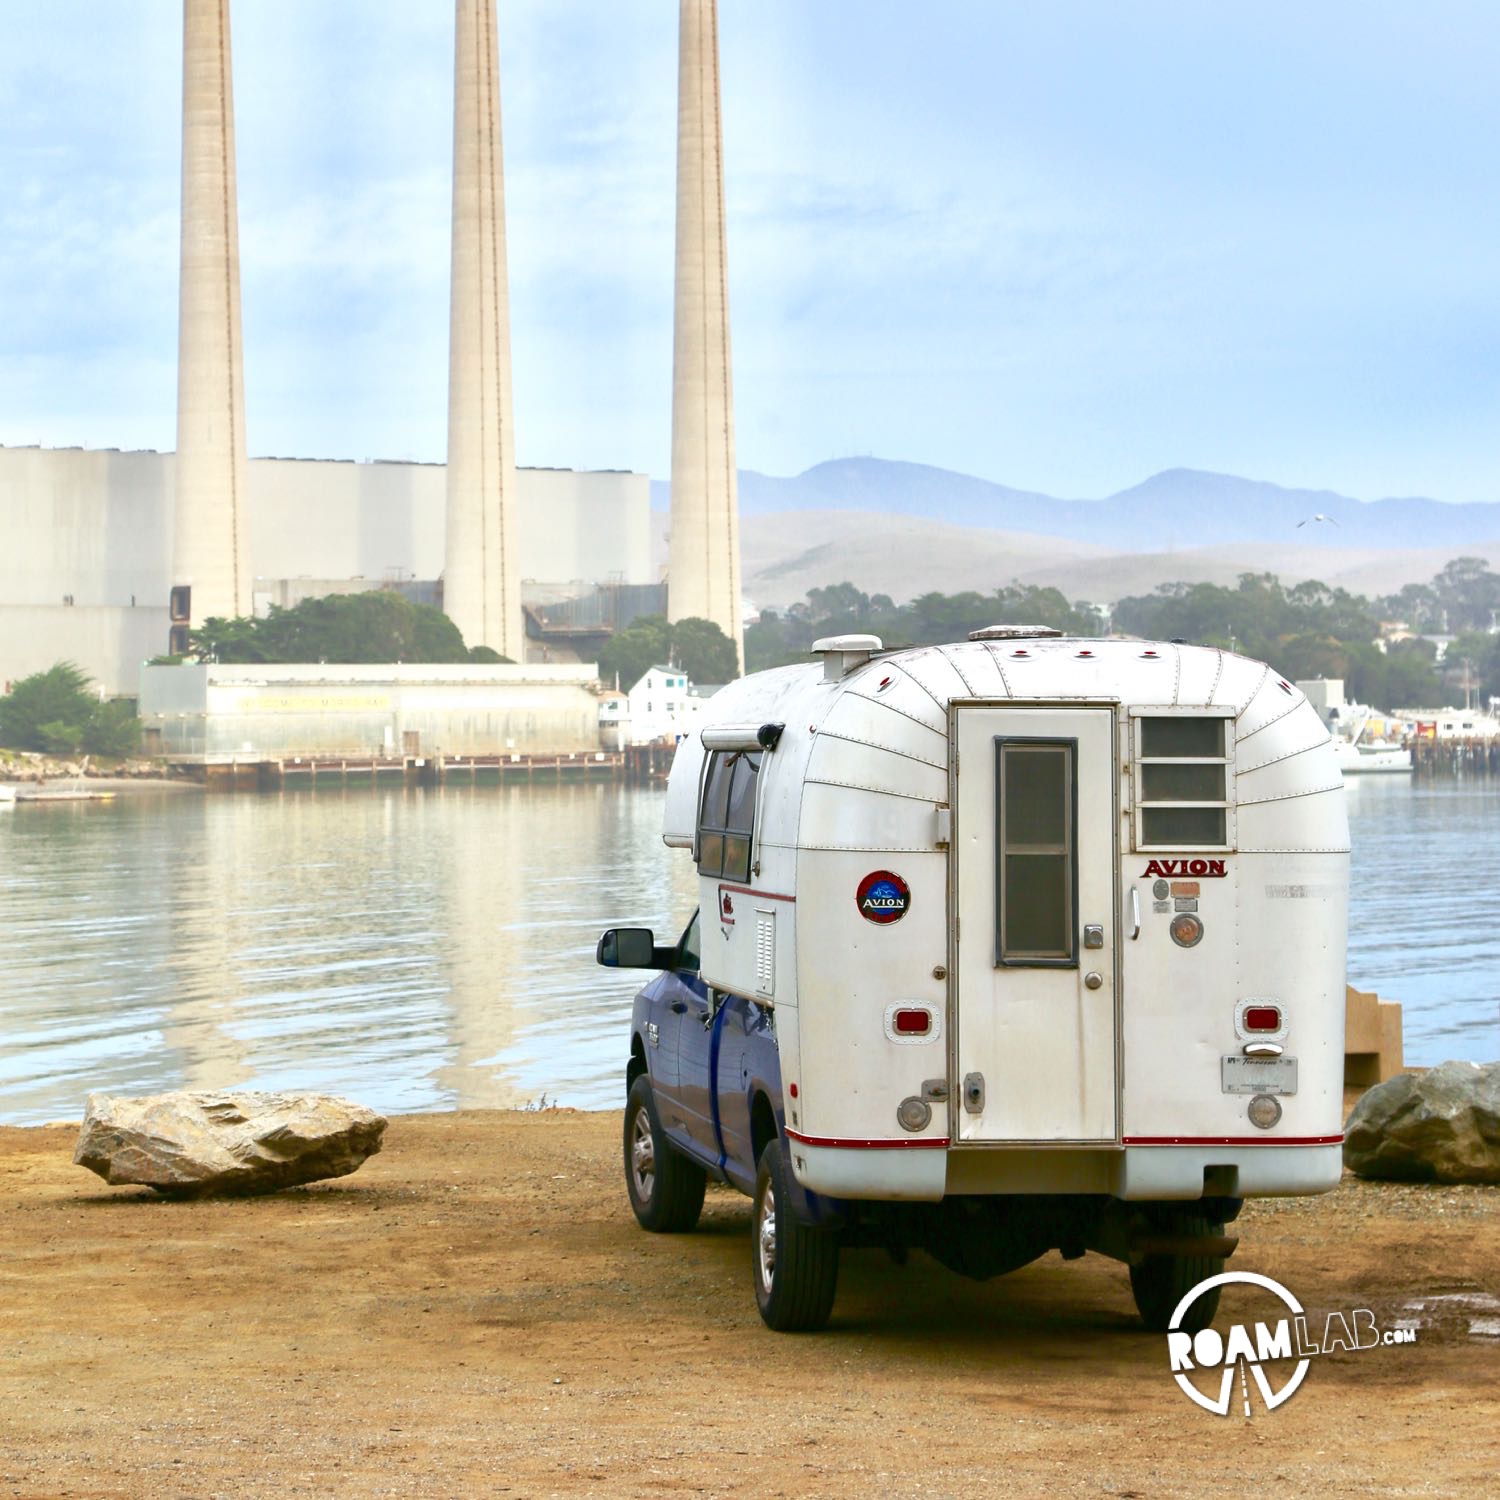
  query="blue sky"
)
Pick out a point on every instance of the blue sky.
point(1059, 245)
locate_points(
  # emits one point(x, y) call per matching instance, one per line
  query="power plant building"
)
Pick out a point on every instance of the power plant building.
point(88, 557)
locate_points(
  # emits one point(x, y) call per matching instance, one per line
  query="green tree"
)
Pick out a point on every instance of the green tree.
point(55, 712)
point(377, 626)
point(630, 653)
point(47, 711)
point(703, 651)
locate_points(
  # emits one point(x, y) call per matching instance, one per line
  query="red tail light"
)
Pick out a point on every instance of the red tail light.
point(912, 1022)
point(1262, 1018)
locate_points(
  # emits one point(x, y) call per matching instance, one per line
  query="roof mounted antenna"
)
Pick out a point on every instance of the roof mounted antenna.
point(843, 653)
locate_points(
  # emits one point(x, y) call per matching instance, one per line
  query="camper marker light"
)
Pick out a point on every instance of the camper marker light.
point(1262, 1018)
point(912, 1022)
point(1264, 1111)
point(1186, 930)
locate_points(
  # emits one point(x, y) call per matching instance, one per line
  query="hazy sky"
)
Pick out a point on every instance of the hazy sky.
point(1061, 245)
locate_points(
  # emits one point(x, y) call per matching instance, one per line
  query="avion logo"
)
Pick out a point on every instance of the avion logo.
point(1208, 869)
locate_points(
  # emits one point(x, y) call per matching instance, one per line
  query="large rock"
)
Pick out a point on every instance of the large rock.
point(1438, 1126)
point(225, 1142)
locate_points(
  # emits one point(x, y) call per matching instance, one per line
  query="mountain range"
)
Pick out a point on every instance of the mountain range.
point(1174, 509)
point(903, 528)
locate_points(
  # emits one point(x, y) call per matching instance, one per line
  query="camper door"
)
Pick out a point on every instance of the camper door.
point(1034, 895)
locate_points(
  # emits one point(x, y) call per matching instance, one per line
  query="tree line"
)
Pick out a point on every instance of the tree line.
point(1303, 630)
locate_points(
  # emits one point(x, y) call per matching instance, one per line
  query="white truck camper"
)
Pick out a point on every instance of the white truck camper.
point(1045, 938)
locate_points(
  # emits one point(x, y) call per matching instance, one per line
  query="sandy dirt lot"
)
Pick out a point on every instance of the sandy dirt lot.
point(475, 1312)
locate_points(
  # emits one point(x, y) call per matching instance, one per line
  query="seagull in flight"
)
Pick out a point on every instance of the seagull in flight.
point(1319, 517)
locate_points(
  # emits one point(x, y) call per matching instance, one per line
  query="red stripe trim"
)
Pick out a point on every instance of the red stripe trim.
point(838, 1143)
point(1232, 1140)
point(744, 890)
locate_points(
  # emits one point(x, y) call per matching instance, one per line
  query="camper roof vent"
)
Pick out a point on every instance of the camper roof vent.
point(843, 653)
point(1011, 632)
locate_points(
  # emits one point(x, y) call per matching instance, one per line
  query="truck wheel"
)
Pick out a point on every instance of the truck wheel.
point(665, 1188)
point(796, 1267)
point(1160, 1282)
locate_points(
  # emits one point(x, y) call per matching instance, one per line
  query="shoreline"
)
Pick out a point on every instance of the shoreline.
point(116, 785)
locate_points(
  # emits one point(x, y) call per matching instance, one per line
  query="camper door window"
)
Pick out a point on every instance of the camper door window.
point(728, 814)
point(1037, 879)
point(1182, 782)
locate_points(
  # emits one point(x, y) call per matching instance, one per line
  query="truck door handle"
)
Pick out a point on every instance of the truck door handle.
point(678, 1006)
point(1135, 913)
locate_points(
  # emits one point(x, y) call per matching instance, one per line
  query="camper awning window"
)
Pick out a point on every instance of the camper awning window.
point(1182, 781)
point(727, 817)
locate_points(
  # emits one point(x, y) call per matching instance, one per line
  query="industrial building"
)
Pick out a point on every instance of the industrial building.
point(87, 564)
point(214, 713)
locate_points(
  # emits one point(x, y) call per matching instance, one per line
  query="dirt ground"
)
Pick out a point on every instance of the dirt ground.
point(476, 1312)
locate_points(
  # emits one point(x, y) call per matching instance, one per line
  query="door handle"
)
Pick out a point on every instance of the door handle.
point(1135, 913)
point(678, 1006)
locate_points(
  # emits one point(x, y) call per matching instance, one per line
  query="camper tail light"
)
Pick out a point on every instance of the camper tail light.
point(1262, 1018)
point(912, 1021)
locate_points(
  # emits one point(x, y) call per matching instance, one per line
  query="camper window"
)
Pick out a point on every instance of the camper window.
point(728, 815)
point(1182, 782)
point(1037, 877)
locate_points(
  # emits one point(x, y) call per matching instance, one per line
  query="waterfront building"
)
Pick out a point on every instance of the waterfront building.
point(88, 560)
point(213, 713)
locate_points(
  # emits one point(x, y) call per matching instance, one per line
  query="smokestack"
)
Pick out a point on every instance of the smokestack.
point(704, 568)
point(481, 577)
point(211, 553)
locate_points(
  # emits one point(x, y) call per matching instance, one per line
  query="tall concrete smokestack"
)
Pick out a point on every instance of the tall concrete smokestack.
point(211, 544)
point(704, 561)
point(481, 576)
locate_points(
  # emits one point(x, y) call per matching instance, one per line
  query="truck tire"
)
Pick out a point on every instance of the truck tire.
point(1160, 1282)
point(665, 1188)
point(795, 1266)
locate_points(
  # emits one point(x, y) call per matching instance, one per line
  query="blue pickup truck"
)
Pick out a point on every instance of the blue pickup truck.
point(704, 1092)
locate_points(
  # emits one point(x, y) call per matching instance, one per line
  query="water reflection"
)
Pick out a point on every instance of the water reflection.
point(432, 949)
point(416, 949)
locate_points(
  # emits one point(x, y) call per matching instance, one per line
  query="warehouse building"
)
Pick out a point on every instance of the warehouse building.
point(85, 572)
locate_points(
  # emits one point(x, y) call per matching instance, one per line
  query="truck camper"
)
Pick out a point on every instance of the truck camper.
point(1016, 944)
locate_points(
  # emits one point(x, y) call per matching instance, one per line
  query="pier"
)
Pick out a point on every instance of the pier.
point(637, 764)
point(1433, 758)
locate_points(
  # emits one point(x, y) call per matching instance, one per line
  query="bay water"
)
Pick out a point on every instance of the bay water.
point(424, 949)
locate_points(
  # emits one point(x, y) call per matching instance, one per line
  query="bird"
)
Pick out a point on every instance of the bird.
point(1319, 517)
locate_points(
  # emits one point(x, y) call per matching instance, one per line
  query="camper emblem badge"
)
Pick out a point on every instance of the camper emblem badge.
point(883, 896)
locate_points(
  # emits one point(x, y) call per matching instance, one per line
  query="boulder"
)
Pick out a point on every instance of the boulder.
point(225, 1142)
point(1438, 1126)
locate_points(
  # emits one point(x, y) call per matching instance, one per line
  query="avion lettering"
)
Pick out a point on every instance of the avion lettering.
point(1207, 869)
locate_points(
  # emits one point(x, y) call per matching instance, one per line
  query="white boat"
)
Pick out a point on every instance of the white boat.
point(7, 794)
point(1357, 756)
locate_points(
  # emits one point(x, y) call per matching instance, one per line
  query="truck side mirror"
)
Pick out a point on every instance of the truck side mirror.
point(628, 948)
